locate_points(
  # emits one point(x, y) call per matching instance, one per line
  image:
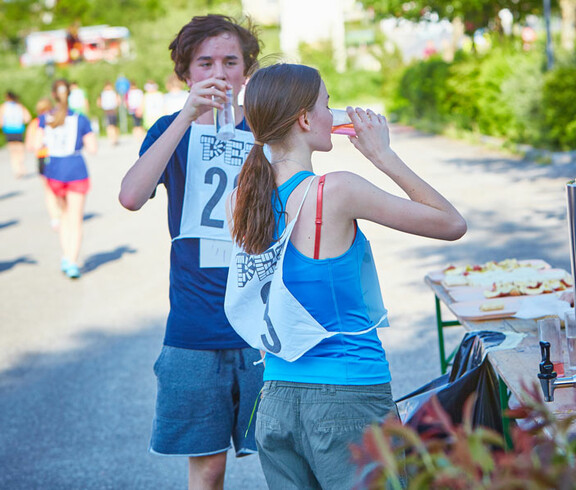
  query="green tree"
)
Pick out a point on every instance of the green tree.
point(474, 13)
point(18, 17)
point(113, 12)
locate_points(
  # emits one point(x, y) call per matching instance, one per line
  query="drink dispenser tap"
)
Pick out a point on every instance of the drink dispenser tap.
point(548, 378)
point(547, 373)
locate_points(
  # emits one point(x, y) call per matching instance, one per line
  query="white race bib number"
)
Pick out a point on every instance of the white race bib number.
point(212, 173)
point(61, 140)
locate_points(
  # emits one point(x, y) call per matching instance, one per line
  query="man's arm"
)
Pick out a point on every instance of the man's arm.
point(141, 180)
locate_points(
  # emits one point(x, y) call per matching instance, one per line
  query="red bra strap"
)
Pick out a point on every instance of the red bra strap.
point(318, 217)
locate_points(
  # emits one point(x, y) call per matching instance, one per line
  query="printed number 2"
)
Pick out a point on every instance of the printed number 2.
point(215, 199)
point(275, 346)
point(206, 220)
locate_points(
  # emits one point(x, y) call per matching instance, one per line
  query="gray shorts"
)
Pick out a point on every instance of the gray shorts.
point(205, 398)
point(303, 431)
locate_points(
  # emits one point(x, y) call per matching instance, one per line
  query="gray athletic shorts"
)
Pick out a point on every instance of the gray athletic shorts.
point(303, 431)
point(205, 398)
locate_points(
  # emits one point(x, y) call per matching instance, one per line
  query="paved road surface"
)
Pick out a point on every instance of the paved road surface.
point(76, 383)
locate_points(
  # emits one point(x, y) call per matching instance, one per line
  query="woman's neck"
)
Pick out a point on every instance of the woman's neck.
point(291, 160)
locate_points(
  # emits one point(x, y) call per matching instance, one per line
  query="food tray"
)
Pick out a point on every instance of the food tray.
point(470, 310)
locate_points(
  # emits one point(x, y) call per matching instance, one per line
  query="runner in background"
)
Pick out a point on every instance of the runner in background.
point(43, 107)
point(176, 96)
point(65, 133)
point(206, 377)
point(153, 104)
point(109, 101)
point(13, 119)
point(78, 102)
point(135, 105)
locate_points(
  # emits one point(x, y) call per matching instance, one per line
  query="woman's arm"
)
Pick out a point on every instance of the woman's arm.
point(426, 212)
point(90, 142)
point(27, 115)
point(38, 142)
point(30, 135)
point(141, 180)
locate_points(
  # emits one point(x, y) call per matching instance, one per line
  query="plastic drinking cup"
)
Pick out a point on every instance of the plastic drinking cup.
point(341, 123)
point(225, 127)
point(549, 331)
point(570, 324)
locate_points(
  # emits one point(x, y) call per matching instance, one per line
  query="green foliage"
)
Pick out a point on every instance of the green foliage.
point(16, 16)
point(151, 57)
point(559, 109)
point(474, 13)
point(450, 456)
point(359, 87)
point(113, 12)
point(505, 93)
point(460, 106)
point(423, 85)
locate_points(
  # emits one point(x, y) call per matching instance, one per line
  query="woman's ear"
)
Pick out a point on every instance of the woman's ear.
point(303, 121)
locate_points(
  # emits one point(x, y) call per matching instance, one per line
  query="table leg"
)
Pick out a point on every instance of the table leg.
point(440, 325)
point(504, 398)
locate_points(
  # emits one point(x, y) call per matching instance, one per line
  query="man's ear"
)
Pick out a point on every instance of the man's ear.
point(188, 79)
point(303, 121)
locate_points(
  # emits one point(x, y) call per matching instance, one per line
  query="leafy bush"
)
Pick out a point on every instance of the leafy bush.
point(346, 88)
point(453, 456)
point(559, 109)
point(523, 89)
point(495, 115)
point(423, 88)
point(503, 93)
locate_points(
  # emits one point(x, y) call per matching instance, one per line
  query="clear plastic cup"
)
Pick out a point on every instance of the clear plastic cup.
point(570, 325)
point(341, 123)
point(549, 331)
point(224, 119)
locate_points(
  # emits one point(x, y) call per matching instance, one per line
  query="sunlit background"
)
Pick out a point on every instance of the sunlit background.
point(503, 69)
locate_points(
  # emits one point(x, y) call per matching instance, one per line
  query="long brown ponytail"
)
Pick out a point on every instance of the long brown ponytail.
point(275, 97)
point(60, 92)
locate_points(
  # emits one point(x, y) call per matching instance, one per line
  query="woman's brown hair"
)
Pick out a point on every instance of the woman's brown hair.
point(200, 28)
point(60, 92)
point(275, 98)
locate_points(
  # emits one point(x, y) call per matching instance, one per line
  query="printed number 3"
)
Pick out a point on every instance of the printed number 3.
point(206, 219)
point(275, 346)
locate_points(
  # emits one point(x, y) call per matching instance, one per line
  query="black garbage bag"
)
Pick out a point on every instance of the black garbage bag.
point(470, 373)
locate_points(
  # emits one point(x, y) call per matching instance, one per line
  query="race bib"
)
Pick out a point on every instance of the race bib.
point(212, 173)
point(215, 253)
point(263, 311)
point(61, 140)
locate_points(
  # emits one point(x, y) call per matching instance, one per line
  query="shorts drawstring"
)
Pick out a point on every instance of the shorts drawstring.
point(219, 354)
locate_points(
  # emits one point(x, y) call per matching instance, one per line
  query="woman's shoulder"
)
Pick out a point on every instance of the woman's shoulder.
point(342, 181)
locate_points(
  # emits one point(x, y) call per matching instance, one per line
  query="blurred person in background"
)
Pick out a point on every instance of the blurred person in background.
point(64, 134)
point(109, 101)
point(43, 107)
point(13, 119)
point(135, 105)
point(176, 96)
point(78, 102)
point(153, 104)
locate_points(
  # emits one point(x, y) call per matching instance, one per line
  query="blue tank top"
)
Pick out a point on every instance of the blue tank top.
point(331, 292)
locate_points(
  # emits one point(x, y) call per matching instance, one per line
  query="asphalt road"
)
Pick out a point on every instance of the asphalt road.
point(76, 383)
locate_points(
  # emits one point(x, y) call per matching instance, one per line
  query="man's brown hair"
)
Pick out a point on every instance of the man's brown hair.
point(185, 44)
